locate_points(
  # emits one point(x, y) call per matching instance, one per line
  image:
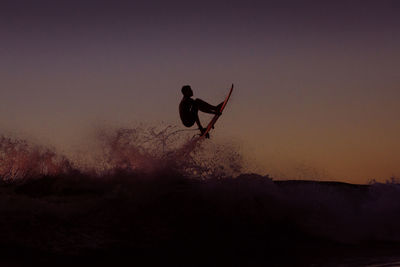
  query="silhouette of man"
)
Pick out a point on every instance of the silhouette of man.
point(189, 108)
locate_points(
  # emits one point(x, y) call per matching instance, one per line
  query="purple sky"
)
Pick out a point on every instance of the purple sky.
point(317, 82)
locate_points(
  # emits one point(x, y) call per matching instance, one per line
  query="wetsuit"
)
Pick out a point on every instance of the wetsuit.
point(189, 108)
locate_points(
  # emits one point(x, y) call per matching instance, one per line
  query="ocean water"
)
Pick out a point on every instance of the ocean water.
point(153, 196)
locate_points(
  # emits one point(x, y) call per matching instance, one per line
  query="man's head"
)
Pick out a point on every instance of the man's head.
point(187, 91)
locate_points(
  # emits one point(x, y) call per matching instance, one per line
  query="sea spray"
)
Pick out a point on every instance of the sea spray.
point(20, 159)
point(138, 149)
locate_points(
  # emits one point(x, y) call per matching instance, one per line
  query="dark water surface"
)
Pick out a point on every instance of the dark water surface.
point(168, 218)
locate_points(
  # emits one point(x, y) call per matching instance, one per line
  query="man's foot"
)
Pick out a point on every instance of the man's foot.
point(203, 130)
point(218, 108)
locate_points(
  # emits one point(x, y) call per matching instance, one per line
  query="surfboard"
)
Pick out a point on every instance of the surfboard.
point(216, 117)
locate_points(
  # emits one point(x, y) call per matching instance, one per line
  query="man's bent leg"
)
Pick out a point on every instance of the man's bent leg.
point(195, 115)
point(205, 107)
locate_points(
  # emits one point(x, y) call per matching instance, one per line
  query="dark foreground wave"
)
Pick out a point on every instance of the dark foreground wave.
point(167, 218)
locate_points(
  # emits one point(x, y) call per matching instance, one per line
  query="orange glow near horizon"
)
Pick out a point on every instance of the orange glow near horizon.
point(316, 85)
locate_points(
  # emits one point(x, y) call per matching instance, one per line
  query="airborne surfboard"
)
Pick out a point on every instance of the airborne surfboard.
point(216, 116)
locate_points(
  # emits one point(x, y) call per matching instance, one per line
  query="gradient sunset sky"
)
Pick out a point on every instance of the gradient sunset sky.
point(317, 83)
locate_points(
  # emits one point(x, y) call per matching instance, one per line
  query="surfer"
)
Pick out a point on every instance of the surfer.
point(189, 108)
